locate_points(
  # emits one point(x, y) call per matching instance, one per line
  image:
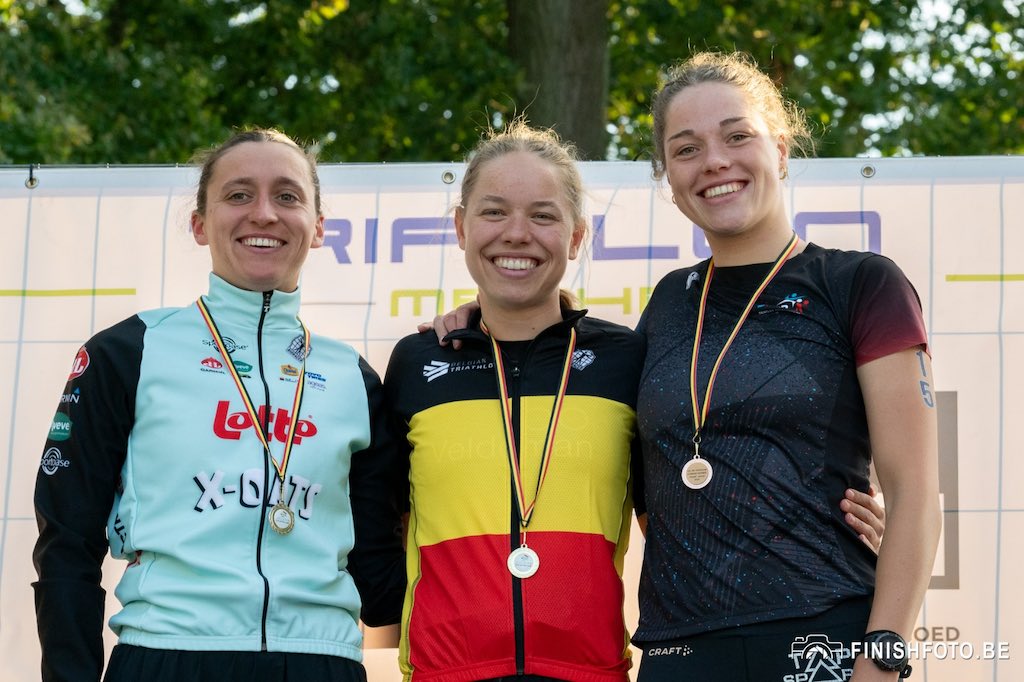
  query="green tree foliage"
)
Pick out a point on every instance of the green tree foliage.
point(149, 81)
point(890, 77)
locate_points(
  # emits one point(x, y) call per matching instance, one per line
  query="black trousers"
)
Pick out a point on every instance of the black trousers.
point(138, 664)
point(813, 648)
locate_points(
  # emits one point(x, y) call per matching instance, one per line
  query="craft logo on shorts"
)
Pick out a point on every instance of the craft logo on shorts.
point(52, 461)
point(80, 364)
point(60, 427)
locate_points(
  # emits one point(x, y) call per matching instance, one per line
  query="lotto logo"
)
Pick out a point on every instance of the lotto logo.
point(230, 425)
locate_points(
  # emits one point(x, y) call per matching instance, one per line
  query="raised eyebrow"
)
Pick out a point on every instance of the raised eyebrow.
point(721, 124)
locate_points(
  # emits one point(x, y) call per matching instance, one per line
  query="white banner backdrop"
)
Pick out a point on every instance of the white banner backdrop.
point(89, 246)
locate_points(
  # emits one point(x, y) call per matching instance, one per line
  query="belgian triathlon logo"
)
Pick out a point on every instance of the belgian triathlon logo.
point(818, 659)
point(52, 461)
point(80, 364)
point(581, 359)
point(437, 368)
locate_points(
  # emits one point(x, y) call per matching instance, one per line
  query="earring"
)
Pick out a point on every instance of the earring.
point(783, 173)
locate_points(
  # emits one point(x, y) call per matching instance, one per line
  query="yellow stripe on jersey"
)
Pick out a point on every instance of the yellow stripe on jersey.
point(460, 478)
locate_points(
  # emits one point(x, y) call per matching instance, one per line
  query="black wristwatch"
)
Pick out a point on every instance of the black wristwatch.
point(889, 651)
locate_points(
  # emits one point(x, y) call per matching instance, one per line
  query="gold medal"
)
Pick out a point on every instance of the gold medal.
point(697, 473)
point(523, 562)
point(282, 518)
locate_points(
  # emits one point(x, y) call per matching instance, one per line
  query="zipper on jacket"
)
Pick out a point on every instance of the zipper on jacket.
point(267, 464)
point(514, 539)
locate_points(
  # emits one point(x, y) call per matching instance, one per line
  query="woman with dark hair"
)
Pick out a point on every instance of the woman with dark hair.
point(241, 465)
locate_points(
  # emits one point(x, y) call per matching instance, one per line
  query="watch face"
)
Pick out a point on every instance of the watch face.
point(887, 649)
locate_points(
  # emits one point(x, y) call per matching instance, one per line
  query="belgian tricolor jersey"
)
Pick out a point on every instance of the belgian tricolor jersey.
point(466, 616)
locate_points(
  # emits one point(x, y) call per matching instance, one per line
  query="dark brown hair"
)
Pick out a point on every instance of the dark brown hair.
point(206, 159)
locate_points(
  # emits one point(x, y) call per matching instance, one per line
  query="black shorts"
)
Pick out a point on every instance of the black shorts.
point(133, 663)
point(811, 649)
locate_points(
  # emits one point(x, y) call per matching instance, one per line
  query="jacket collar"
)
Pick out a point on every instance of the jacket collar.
point(230, 305)
point(570, 319)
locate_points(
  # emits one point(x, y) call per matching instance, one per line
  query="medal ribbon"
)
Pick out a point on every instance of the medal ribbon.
point(699, 414)
point(281, 466)
point(526, 511)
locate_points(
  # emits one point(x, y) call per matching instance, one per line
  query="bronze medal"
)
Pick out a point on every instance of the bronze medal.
point(282, 518)
point(697, 473)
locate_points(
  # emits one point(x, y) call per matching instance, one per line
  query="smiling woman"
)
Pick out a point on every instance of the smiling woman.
point(519, 453)
point(776, 372)
point(254, 546)
point(518, 231)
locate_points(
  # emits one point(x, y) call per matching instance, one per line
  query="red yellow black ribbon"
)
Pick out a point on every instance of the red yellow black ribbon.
point(526, 510)
point(700, 414)
point(281, 466)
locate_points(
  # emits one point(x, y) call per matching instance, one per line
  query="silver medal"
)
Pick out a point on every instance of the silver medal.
point(523, 562)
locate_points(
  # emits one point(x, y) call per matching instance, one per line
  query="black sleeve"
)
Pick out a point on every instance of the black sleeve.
point(398, 403)
point(75, 487)
point(377, 561)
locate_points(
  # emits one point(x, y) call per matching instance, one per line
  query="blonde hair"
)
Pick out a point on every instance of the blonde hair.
point(739, 69)
point(519, 136)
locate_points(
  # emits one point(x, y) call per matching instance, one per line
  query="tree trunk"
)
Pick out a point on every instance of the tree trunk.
point(562, 48)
